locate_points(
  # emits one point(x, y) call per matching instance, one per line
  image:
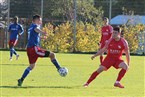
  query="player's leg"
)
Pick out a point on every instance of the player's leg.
point(54, 60)
point(44, 53)
point(32, 56)
point(14, 51)
point(106, 64)
point(25, 74)
point(124, 68)
point(11, 53)
point(12, 43)
point(94, 75)
point(11, 49)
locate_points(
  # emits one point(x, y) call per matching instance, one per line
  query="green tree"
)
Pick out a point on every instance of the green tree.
point(64, 9)
point(24, 8)
point(122, 6)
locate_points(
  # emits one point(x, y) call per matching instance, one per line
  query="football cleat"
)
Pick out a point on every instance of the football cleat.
point(86, 85)
point(20, 82)
point(118, 85)
point(10, 59)
point(17, 57)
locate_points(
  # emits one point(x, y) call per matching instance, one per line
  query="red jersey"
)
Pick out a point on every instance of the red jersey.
point(106, 33)
point(116, 48)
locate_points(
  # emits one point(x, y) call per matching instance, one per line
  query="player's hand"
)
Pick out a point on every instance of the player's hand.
point(43, 37)
point(44, 33)
point(92, 57)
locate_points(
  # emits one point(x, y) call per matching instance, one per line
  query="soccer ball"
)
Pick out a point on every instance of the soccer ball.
point(63, 71)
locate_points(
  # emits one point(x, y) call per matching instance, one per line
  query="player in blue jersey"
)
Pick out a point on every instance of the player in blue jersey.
point(33, 49)
point(15, 30)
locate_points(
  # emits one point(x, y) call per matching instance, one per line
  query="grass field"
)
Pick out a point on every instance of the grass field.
point(44, 80)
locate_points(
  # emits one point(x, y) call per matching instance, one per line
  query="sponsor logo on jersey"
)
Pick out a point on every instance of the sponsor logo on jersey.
point(119, 46)
point(105, 33)
point(114, 51)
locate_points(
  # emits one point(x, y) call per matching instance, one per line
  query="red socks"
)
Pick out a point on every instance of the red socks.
point(92, 77)
point(121, 74)
point(101, 59)
point(95, 74)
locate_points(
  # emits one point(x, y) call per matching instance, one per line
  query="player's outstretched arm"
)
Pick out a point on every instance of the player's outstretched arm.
point(21, 30)
point(99, 53)
point(40, 31)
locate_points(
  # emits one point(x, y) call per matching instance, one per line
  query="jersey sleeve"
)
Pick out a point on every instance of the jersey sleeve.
point(36, 26)
point(125, 43)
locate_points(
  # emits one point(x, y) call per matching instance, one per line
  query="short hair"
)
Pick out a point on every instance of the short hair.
point(117, 28)
point(36, 16)
point(105, 18)
point(15, 18)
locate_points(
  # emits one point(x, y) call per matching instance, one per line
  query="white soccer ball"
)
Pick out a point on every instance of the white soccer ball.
point(63, 71)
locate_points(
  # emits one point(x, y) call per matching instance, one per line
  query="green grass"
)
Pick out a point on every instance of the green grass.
point(44, 80)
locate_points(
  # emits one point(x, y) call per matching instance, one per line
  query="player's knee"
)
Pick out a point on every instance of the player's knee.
point(125, 66)
point(100, 69)
point(47, 53)
point(11, 48)
point(52, 55)
point(32, 66)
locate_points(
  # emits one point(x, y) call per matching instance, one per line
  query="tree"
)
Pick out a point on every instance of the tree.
point(122, 6)
point(64, 9)
point(24, 8)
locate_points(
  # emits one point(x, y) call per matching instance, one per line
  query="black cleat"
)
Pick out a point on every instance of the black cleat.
point(20, 82)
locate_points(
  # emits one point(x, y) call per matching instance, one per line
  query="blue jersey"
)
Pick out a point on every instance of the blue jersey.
point(15, 30)
point(33, 37)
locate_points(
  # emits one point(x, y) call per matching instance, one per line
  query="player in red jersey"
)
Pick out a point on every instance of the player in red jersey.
point(106, 33)
point(115, 47)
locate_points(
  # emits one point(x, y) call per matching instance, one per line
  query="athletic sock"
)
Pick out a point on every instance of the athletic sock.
point(101, 59)
point(14, 51)
point(26, 72)
point(121, 74)
point(54, 61)
point(11, 52)
point(92, 77)
point(117, 82)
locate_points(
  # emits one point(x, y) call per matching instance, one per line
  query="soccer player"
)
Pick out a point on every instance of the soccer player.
point(15, 30)
point(115, 47)
point(106, 33)
point(33, 49)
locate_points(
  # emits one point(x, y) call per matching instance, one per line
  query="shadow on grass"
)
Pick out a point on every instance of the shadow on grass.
point(23, 65)
point(29, 87)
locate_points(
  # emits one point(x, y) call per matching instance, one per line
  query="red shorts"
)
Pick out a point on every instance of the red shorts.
point(34, 52)
point(108, 62)
point(12, 42)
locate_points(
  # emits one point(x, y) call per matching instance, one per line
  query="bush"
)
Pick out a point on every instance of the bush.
point(87, 38)
point(60, 39)
point(131, 34)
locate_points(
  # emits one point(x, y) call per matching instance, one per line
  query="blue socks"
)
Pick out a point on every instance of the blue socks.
point(54, 61)
point(12, 51)
point(28, 69)
point(26, 72)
